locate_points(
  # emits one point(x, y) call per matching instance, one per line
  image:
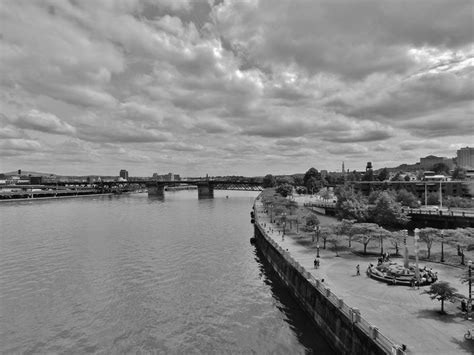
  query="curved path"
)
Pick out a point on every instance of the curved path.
point(401, 313)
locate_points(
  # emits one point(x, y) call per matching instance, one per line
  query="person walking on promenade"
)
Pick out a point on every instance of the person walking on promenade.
point(358, 270)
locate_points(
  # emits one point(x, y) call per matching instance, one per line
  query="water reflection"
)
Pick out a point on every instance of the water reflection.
point(301, 324)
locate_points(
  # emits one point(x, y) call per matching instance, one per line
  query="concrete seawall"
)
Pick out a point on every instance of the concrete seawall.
point(340, 324)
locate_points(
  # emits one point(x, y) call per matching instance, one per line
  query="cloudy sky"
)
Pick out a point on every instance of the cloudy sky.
point(242, 87)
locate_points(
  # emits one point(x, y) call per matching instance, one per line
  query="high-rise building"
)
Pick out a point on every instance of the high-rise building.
point(124, 174)
point(465, 158)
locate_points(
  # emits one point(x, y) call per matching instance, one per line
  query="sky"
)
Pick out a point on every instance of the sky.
point(240, 87)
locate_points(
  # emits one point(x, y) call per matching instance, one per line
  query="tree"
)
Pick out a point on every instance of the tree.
point(365, 232)
point(406, 198)
point(388, 213)
point(312, 220)
point(383, 175)
point(344, 228)
point(440, 168)
point(282, 180)
point(460, 237)
point(397, 238)
point(368, 175)
point(442, 291)
point(268, 181)
point(312, 180)
point(325, 232)
point(301, 190)
point(459, 174)
point(335, 240)
point(284, 190)
point(433, 198)
point(429, 235)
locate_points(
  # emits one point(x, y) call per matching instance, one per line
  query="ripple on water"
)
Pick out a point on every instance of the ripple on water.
point(127, 274)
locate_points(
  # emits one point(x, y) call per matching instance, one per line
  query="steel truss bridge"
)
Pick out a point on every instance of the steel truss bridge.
point(205, 187)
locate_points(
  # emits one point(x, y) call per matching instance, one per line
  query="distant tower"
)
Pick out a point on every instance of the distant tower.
point(343, 170)
point(369, 166)
point(123, 174)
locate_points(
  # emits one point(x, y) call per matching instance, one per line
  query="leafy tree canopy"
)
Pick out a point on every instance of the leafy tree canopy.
point(383, 174)
point(269, 181)
point(406, 198)
point(387, 212)
point(440, 168)
point(284, 189)
point(459, 174)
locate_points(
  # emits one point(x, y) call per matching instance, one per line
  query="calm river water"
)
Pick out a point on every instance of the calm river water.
point(133, 274)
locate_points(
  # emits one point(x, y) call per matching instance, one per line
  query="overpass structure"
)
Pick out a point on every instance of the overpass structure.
point(440, 218)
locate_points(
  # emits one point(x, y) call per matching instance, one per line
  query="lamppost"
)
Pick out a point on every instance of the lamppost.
point(417, 270)
point(442, 246)
point(317, 250)
point(469, 275)
point(405, 235)
point(284, 222)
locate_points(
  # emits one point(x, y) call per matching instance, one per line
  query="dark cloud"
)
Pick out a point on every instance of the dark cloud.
point(172, 83)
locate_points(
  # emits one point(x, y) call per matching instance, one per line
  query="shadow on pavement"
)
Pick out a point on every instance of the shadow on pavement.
point(449, 317)
point(464, 344)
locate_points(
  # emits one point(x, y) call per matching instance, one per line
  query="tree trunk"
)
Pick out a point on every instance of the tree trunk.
point(365, 248)
point(442, 306)
point(429, 252)
point(350, 240)
point(324, 247)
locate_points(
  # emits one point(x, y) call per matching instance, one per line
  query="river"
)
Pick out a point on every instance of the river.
point(134, 274)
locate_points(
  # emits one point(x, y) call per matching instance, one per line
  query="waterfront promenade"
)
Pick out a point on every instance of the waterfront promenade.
point(401, 313)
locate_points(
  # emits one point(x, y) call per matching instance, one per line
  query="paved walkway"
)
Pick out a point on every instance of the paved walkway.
point(401, 313)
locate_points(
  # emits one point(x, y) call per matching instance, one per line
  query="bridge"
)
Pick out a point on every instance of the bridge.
point(440, 218)
point(205, 187)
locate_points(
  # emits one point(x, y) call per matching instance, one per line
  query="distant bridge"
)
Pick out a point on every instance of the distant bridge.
point(205, 187)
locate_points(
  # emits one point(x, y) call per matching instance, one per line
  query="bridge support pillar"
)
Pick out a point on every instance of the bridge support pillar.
point(205, 190)
point(155, 189)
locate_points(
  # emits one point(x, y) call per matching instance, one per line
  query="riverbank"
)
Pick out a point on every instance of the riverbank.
point(402, 313)
point(7, 200)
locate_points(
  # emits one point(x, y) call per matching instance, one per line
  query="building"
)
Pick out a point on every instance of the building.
point(124, 174)
point(430, 160)
point(465, 158)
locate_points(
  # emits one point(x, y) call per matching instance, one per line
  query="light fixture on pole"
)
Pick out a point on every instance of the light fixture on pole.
point(317, 250)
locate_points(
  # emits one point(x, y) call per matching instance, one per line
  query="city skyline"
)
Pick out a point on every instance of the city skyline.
point(242, 88)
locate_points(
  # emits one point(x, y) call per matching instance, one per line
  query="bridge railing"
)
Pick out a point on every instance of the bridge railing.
point(451, 213)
